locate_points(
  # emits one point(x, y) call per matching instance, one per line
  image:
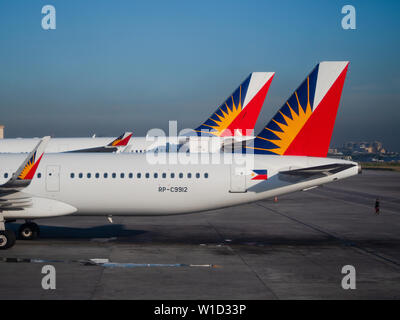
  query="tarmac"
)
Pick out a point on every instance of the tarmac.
point(294, 248)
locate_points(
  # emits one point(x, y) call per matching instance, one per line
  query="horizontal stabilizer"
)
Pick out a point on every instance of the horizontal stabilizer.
point(113, 146)
point(319, 170)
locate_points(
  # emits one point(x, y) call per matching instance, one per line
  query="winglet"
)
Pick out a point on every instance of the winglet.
point(25, 173)
point(28, 168)
point(122, 140)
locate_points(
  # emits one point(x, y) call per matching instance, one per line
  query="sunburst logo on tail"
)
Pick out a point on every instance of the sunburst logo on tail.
point(122, 140)
point(220, 122)
point(226, 117)
point(303, 126)
point(116, 141)
point(293, 125)
point(287, 123)
point(28, 168)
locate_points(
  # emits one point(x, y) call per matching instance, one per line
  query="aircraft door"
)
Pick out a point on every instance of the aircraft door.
point(238, 179)
point(53, 178)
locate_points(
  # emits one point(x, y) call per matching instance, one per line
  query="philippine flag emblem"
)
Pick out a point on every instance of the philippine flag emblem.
point(259, 175)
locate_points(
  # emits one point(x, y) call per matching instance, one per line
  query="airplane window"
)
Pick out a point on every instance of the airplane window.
point(206, 175)
point(6, 175)
point(89, 175)
point(139, 175)
point(147, 175)
point(181, 175)
point(105, 175)
point(122, 175)
point(97, 175)
point(156, 175)
point(172, 175)
point(189, 175)
point(114, 175)
point(164, 175)
point(39, 175)
point(72, 175)
point(81, 175)
point(197, 175)
point(130, 175)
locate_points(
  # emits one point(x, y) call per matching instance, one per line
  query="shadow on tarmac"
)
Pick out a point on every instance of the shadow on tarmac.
point(98, 232)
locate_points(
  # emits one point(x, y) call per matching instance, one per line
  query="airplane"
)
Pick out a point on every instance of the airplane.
point(236, 116)
point(288, 155)
point(98, 144)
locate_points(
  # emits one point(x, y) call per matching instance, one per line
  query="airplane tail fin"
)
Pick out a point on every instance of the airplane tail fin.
point(304, 124)
point(122, 140)
point(239, 113)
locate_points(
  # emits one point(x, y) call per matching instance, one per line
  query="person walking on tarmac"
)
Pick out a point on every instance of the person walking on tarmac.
point(377, 206)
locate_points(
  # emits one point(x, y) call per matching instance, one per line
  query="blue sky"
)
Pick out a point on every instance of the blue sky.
point(112, 66)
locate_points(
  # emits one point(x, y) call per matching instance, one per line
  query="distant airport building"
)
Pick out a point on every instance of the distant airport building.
point(1, 131)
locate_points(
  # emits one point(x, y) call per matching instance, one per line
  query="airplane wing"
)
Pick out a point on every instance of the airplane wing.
point(113, 146)
point(324, 170)
point(11, 196)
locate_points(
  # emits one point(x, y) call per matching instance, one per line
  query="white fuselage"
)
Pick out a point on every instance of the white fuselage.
point(26, 145)
point(135, 144)
point(76, 183)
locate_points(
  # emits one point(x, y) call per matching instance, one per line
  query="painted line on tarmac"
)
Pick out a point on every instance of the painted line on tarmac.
point(108, 264)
